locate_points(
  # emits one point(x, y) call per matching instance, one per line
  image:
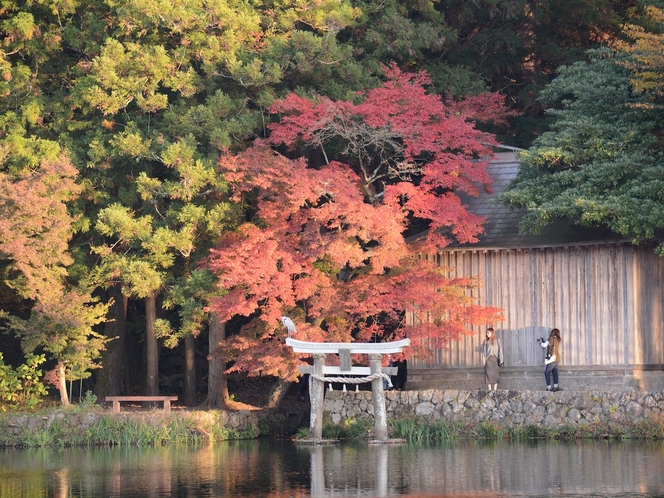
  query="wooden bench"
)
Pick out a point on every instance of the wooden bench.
point(117, 399)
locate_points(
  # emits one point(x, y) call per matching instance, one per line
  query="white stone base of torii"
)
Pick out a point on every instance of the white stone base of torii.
point(320, 373)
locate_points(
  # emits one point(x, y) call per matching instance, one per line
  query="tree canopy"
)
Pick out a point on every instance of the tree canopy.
point(326, 242)
point(601, 162)
point(113, 117)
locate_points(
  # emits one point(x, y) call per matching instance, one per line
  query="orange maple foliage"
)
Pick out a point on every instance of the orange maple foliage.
point(35, 226)
point(326, 243)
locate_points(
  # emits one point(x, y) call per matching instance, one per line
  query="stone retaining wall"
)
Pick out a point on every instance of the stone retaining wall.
point(507, 407)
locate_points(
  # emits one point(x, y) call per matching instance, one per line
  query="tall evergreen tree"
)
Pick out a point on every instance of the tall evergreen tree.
point(516, 47)
point(601, 163)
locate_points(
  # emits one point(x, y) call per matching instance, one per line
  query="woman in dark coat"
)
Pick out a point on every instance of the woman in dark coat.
point(492, 357)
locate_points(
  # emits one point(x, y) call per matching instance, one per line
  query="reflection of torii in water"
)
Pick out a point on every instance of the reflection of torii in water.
point(374, 374)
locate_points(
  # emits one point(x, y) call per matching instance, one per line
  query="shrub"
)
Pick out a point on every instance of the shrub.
point(564, 432)
point(21, 387)
point(649, 429)
point(333, 431)
point(488, 430)
point(358, 429)
point(419, 429)
point(401, 427)
point(303, 433)
point(525, 432)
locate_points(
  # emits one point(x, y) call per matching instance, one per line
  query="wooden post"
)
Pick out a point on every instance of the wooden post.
point(378, 396)
point(317, 395)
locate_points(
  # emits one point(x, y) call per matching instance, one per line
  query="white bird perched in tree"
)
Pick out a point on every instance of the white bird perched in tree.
point(288, 323)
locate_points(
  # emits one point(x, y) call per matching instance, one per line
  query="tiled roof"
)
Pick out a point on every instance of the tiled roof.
point(502, 224)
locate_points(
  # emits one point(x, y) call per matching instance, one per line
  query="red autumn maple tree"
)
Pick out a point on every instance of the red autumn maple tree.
point(326, 244)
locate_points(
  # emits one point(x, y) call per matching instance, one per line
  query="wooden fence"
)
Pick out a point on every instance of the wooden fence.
point(607, 300)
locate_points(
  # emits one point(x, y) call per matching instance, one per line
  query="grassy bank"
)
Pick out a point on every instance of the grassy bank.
point(90, 426)
point(424, 430)
point(95, 426)
point(418, 429)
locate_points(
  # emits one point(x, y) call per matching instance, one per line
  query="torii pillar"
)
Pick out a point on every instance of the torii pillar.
point(317, 397)
point(378, 398)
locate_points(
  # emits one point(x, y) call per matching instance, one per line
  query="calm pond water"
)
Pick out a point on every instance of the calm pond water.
point(267, 468)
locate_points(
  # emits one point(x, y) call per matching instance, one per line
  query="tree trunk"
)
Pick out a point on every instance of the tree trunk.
point(62, 383)
point(217, 395)
point(277, 394)
point(189, 371)
point(109, 378)
point(151, 347)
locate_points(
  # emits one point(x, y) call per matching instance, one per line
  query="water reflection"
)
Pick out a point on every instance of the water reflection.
point(587, 468)
point(278, 469)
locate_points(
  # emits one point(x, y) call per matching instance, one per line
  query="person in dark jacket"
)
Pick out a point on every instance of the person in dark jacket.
point(552, 358)
point(492, 358)
point(399, 380)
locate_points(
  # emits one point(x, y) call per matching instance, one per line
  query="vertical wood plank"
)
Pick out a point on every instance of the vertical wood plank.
point(636, 306)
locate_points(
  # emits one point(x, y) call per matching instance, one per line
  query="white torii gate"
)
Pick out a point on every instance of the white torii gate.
point(374, 374)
